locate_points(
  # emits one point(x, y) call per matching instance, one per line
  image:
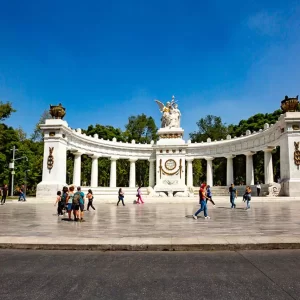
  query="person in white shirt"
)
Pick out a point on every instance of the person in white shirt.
point(258, 187)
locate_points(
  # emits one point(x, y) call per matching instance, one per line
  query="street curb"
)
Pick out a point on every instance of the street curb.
point(152, 247)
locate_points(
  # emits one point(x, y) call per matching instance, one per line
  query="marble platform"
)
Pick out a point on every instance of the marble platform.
point(153, 226)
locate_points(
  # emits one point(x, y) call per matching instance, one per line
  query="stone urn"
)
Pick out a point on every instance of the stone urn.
point(289, 104)
point(57, 111)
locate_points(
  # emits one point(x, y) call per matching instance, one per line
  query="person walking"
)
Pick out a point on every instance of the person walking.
point(247, 197)
point(139, 196)
point(209, 196)
point(121, 196)
point(203, 207)
point(4, 192)
point(233, 195)
point(258, 188)
point(90, 198)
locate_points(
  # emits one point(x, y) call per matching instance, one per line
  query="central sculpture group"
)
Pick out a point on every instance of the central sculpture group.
point(171, 114)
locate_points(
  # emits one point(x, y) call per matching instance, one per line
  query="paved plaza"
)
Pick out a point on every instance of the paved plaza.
point(160, 226)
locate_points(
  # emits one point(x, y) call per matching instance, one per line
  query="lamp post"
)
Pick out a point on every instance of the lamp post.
point(25, 182)
point(12, 166)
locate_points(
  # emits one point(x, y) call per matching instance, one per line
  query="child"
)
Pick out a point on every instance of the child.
point(58, 202)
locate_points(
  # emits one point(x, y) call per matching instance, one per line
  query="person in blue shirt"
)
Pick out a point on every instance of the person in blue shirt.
point(209, 195)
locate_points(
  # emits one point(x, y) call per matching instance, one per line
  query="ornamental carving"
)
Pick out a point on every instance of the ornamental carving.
point(165, 172)
point(297, 154)
point(50, 161)
point(171, 136)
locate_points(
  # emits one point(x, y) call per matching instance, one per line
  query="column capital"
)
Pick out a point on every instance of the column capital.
point(230, 156)
point(208, 158)
point(95, 156)
point(249, 153)
point(114, 158)
point(77, 153)
point(132, 159)
point(189, 159)
point(269, 149)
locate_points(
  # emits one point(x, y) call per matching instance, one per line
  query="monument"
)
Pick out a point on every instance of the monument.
point(171, 157)
point(170, 152)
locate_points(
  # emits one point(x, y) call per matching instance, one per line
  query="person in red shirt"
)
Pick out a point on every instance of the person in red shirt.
point(203, 197)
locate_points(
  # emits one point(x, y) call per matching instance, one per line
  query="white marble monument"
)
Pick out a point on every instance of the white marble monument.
point(171, 157)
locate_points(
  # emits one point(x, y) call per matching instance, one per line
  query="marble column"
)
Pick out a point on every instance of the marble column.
point(113, 172)
point(77, 169)
point(94, 173)
point(229, 172)
point(189, 180)
point(132, 180)
point(209, 171)
point(151, 172)
point(249, 168)
point(268, 166)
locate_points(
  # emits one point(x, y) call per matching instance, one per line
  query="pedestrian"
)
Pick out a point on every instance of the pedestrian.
point(79, 212)
point(247, 197)
point(4, 192)
point(58, 202)
point(90, 198)
point(203, 196)
point(63, 201)
point(233, 195)
point(121, 196)
point(209, 195)
point(258, 188)
point(22, 193)
point(70, 201)
point(139, 196)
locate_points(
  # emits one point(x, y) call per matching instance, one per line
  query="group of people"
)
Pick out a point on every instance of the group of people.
point(70, 201)
point(205, 195)
point(4, 193)
point(121, 196)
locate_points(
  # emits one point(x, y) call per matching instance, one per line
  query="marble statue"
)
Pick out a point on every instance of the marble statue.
point(170, 114)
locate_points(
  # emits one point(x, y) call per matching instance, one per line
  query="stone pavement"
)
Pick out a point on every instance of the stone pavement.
point(160, 226)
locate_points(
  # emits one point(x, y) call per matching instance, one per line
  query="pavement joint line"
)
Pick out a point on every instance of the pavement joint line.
point(266, 275)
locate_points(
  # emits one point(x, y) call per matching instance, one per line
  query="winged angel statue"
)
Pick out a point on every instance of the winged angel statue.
point(170, 114)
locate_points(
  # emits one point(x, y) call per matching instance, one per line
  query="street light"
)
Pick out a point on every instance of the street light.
point(12, 166)
point(25, 182)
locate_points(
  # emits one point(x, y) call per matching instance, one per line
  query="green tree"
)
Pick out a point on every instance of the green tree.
point(209, 127)
point(141, 128)
point(6, 110)
point(37, 135)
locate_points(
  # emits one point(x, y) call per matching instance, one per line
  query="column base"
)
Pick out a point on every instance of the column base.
point(290, 187)
point(47, 189)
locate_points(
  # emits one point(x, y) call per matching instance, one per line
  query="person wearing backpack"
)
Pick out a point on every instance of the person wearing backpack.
point(63, 201)
point(79, 208)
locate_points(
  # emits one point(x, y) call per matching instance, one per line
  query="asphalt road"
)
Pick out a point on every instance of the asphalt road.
point(29, 274)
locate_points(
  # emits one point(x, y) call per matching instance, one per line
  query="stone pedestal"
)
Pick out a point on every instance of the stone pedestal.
point(54, 174)
point(170, 162)
point(289, 140)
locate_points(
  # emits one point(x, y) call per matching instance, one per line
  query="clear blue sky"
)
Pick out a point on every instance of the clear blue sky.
point(107, 60)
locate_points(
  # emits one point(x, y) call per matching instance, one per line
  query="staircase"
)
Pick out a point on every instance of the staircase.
point(223, 190)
